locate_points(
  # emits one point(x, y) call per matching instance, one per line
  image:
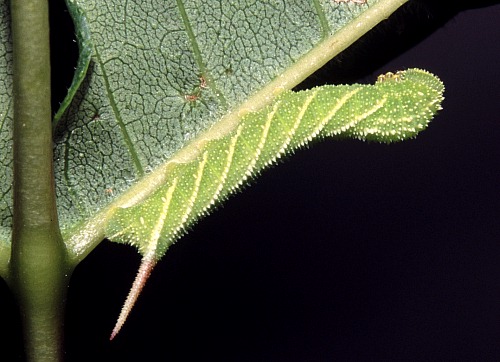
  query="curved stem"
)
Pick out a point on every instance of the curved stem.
point(38, 272)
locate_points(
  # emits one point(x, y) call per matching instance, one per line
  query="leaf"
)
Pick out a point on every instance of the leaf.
point(162, 73)
point(159, 74)
point(397, 107)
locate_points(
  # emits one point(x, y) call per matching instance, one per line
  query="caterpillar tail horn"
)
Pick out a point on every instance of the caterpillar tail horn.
point(147, 264)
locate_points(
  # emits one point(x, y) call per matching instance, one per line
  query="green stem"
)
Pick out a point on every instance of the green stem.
point(38, 269)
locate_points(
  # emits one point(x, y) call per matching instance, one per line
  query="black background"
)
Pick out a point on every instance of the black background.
point(348, 251)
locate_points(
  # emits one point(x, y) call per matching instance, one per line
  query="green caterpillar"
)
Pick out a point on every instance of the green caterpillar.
point(396, 107)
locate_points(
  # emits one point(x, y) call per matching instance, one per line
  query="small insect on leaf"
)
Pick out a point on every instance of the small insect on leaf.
point(203, 83)
point(397, 107)
point(191, 97)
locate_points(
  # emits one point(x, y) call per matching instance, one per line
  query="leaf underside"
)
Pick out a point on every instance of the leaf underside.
point(162, 73)
point(154, 75)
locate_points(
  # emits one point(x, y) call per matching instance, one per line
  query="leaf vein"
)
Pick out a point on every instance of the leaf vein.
point(126, 137)
point(198, 57)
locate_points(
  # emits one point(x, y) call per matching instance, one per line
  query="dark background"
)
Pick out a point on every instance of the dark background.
point(348, 251)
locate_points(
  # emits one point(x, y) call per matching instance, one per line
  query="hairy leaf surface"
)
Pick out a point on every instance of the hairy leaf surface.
point(162, 73)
